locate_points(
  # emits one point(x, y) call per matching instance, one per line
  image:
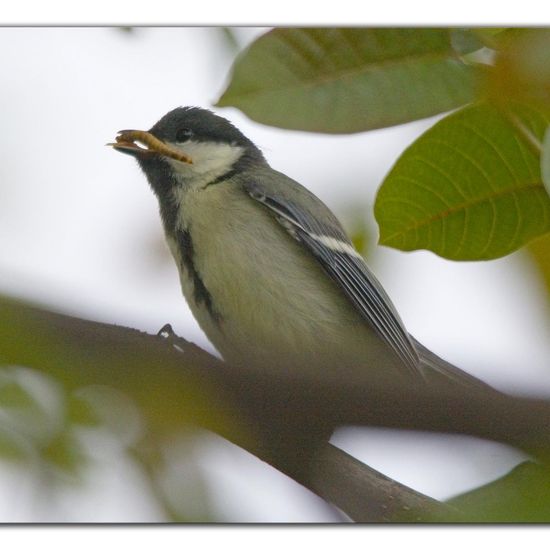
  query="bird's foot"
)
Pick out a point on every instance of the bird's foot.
point(168, 334)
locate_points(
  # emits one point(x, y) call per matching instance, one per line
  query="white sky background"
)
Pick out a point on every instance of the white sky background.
point(79, 231)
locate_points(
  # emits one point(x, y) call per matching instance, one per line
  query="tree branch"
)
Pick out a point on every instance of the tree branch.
point(260, 412)
point(367, 495)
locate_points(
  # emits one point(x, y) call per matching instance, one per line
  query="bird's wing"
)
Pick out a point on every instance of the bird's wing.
point(334, 251)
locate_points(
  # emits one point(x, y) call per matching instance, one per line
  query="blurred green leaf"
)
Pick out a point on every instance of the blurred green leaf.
point(65, 453)
point(34, 423)
point(465, 41)
point(522, 71)
point(359, 228)
point(470, 188)
point(177, 477)
point(111, 409)
point(545, 161)
point(523, 495)
point(13, 446)
point(539, 253)
point(76, 355)
point(14, 396)
point(81, 412)
point(31, 404)
point(489, 31)
point(351, 80)
point(359, 238)
point(229, 38)
point(489, 36)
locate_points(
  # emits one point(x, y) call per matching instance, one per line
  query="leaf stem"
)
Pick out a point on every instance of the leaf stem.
point(532, 140)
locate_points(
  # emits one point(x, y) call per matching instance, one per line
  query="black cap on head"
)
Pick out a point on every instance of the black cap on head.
point(198, 124)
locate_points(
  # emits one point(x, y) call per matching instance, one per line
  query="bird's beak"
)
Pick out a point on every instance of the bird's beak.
point(127, 142)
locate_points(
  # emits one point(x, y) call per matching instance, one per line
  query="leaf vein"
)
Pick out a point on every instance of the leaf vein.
point(491, 144)
point(464, 206)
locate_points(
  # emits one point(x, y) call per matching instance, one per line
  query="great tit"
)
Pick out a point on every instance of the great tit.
point(266, 268)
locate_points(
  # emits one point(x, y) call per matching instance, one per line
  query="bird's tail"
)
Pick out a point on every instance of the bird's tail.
point(434, 367)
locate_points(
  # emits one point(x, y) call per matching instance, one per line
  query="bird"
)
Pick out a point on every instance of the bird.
point(266, 268)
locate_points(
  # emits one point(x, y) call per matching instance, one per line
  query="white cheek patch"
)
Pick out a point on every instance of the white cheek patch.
point(209, 158)
point(336, 245)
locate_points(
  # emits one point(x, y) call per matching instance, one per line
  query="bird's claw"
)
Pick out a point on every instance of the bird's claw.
point(168, 334)
point(166, 331)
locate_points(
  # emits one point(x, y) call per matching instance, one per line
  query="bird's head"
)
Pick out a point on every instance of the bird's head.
point(188, 146)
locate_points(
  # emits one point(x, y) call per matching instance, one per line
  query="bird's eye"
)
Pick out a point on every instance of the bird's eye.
point(183, 134)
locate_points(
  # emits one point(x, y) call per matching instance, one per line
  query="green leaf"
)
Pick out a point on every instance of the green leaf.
point(489, 31)
point(31, 403)
point(351, 80)
point(521, 71)
point(470, 188)
point(490, 36)
point(13, 446)
point(65, 453)
point(538, 254)
point(545, 161)
point(522, 495)
point(230, 41)
point(466, 41)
